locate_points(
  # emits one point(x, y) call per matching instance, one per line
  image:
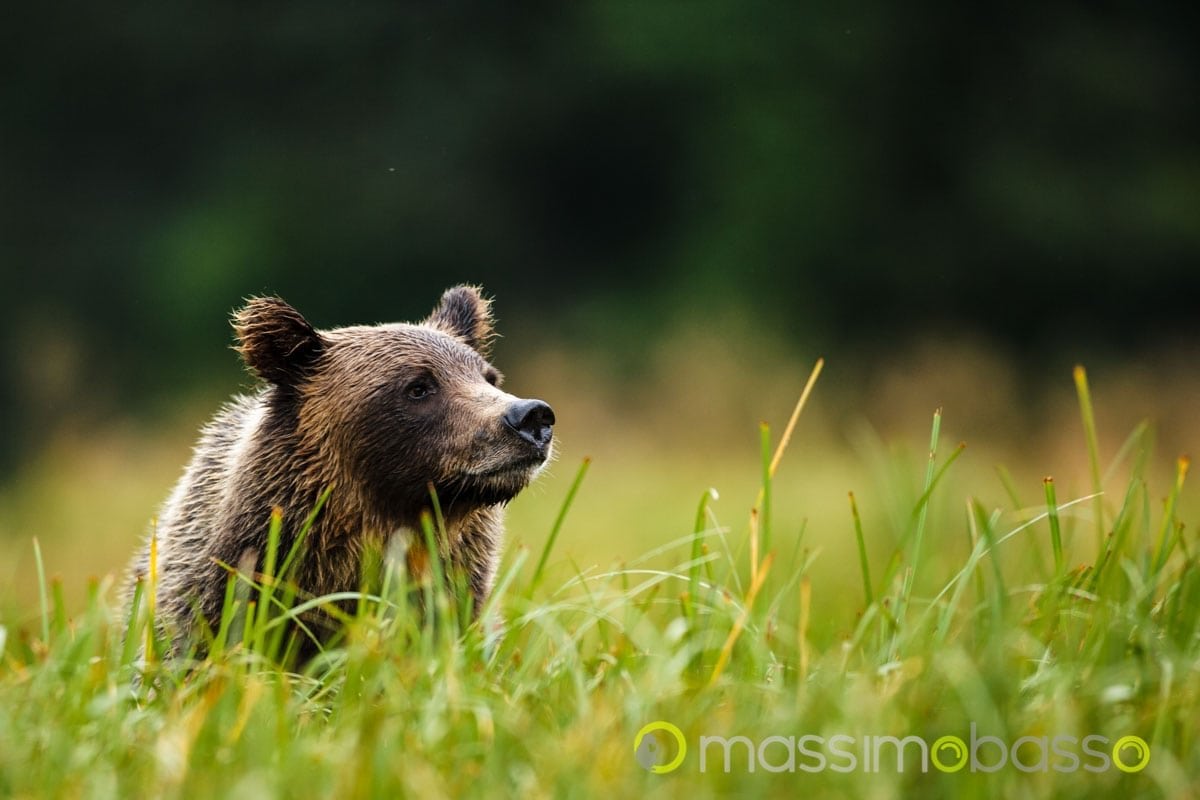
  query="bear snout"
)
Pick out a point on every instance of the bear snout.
point(532, 420)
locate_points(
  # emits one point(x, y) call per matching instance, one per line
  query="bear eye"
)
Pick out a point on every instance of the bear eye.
point(419, 390)
point(492, 377)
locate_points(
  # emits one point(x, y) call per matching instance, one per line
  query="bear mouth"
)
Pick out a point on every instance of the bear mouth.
point(495, 485)
point(523, 468)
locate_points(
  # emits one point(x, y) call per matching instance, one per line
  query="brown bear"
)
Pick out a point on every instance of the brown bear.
point(379, 413)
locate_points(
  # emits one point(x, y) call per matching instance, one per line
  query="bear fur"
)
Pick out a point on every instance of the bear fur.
point(377, 414)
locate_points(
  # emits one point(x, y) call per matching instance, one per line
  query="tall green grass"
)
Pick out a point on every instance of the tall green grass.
point(546, 692)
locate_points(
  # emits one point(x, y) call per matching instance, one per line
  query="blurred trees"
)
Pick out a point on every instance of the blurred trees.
point(847, 172)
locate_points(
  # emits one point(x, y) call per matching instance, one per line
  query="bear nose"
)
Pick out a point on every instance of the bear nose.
point(532, 420)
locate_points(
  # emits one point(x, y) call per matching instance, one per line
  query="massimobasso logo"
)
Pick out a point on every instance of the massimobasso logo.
point(661, 747)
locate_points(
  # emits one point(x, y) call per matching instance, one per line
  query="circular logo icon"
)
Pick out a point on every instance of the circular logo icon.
point(1141, 752)
point(653, 747)
point(958, 751)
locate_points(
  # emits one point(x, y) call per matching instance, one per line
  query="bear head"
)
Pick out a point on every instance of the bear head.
point(391, 410)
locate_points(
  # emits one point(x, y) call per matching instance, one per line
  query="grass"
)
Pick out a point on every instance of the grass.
point(975, 625)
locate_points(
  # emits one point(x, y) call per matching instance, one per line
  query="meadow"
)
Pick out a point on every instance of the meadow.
point(692, 602)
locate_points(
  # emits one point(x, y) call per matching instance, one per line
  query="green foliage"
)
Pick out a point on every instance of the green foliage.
point(546, 692)
point(601, 167)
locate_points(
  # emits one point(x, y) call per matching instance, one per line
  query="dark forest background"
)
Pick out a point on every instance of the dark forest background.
point(846, 175)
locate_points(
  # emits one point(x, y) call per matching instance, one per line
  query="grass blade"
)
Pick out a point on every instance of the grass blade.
point(151, 595)
point(1093, 444)
point(922, 515)
point(43, 597)
point(740, 624)
point(698, 548)
point(864, 567)
point(558, 523)
point(791, 426)
point(1055, 532)
point(1168, 533)
point(764, 516)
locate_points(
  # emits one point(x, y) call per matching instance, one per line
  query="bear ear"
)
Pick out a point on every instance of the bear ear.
point(463, 312)
point(276, 341)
